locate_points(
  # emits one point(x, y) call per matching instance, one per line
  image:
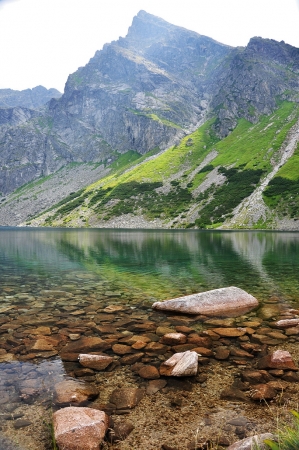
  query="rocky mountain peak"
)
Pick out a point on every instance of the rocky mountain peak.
point(269, 49)
point(145, 92)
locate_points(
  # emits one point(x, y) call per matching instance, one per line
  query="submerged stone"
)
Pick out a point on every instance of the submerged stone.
point(71, 392)
point(97, 362)
point(230, 301)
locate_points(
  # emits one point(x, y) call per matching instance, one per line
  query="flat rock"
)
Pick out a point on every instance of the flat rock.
point(180, 365)
point(84, 345)
point(280, 359)
point(126, 398)
point(256, 376)
point(97, 362)
point(160, 331)
point(230, 301)
point(44, 344)
point(200, 341)
point(233, 395)
point(269, 311)
point(291, 376)
point(79, 428)
point(121, 431)
point(131, 359)
point(45, 331)
point(222, 353)
point(287, 323)
point(252, 442)
point(292, 331)
point(155, 386)
point(203, 351)
point(70, 392)
point(21, 423)
point(8, 357)
point(149, 372)
point(156, 348)
point(230, 332)
point(121, 349)
point(173, 339)
point(263, 392)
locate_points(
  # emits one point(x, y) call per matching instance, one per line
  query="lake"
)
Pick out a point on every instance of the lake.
point(58, 285)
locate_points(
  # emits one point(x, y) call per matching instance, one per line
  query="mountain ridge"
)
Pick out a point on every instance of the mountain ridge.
point(143, 95)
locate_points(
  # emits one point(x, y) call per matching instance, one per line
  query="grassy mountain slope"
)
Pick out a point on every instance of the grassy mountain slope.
point(197, 183)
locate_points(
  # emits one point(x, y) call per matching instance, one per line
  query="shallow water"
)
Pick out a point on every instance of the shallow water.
point(160, 264)
point(59, 278)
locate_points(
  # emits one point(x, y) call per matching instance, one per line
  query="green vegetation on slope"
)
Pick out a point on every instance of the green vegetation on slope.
point(167, 186)
point(239, 185)
point(282, 193)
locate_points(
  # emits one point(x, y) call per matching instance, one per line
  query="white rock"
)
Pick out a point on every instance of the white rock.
point(180, 365)
point(230, 301)
point(287, 323)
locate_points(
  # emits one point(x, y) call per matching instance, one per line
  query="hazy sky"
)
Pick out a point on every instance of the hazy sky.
point(43, 41)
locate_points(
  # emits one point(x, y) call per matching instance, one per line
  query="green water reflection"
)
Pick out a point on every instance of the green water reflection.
point(159, 264)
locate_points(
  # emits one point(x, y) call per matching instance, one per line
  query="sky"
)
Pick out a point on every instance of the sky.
point(43, 41)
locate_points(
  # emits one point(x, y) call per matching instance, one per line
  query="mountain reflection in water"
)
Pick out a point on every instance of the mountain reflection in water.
point(163, 264)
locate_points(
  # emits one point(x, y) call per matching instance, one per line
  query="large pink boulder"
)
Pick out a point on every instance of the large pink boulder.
point(79, 428)
point(230, 301)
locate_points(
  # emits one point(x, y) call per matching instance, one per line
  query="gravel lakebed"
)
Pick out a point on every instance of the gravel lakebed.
point(43, 331)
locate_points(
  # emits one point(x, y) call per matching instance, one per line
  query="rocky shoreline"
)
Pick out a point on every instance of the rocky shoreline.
point(235, 393)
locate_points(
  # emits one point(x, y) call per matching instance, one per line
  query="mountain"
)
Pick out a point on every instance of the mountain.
point(28, 98)
point(164, 127)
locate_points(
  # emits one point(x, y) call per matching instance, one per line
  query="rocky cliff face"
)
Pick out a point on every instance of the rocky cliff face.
point(252, 80)
point(143, 92)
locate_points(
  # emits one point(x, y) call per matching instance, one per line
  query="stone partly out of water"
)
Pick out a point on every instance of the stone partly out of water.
point(180, 365)
point(280, 359)
point(79, 428)
point(230, 301)
point(97, 362)
point(72, 392)
point(252, 442)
